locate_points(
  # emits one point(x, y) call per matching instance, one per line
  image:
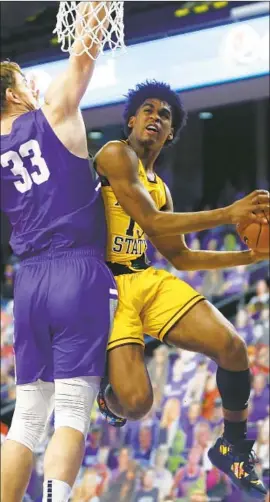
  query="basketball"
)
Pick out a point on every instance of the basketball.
point(255, 235)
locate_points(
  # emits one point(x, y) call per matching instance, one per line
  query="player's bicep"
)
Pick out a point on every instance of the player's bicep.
point(120, 166)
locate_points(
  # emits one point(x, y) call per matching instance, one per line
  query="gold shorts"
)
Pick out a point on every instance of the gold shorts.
point(150, 302)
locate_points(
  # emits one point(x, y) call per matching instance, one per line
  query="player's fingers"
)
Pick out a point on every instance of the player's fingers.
point(264, 208)
point(258, 217)
point(261, 199)
point(259, 192)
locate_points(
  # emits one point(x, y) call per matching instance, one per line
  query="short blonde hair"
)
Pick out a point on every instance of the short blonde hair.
point(8, 72)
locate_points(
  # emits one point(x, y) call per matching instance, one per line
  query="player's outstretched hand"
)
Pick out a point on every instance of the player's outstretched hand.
point(254, 207)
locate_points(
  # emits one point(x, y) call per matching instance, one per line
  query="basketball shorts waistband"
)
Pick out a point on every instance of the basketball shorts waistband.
point(63, 253)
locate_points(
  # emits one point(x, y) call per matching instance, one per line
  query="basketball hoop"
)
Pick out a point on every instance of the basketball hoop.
point(90, 24)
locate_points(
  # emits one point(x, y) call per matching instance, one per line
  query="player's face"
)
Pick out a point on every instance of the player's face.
point(25, 93)
point(152, 124)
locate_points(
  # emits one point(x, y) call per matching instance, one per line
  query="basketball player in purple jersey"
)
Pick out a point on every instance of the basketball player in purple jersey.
point(64, 293)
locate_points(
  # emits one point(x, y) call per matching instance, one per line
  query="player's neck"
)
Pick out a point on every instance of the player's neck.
point(147, 156)
point(7, 120)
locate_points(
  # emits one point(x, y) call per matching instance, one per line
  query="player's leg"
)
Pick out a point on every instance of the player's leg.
point(80, 320)
point(217, 338)
point(33, 364)
point(129, 394)
point(34, 405)
point(204, 329)
point(74, 398)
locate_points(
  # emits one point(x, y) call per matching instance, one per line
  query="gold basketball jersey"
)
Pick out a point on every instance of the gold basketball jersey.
point(126, 240)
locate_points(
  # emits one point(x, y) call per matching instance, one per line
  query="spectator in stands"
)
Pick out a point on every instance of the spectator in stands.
point(194, 380)
point(93, 443)
point(171, 434)
point(112, 437)
point(102, 471)
point(7, 324)
point(198, 496)
point(174, 387)
point(123, 461)
point(148, 492)
point(230, 242)
point(190, 421)
point(261, 299)
point(158, 369)
point(143, 452)
point(86, 490)
point(261, 328)
point(216, 420)
point(203, 438)
point(170, 419)
point(212, 284)
point(236, 280)
point(212, 243)
point(163, 480)
point(9, 274)
point(184, 369)
point(218, 485)
point(150, 420)
point(262, 358)
point(210, 395)
point(159, 262)
point(122, 489)
point(244, 326)
point(191, 477)
point(259, 397)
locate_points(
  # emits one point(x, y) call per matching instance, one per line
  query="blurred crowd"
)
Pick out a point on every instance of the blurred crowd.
point(163, 458)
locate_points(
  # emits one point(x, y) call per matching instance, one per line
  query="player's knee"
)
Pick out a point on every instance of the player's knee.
point(74, 398)
point(32, 411)
point(233, 349)
point(138, 403)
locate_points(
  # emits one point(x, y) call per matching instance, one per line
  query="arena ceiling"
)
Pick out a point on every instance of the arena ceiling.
point(26, 27)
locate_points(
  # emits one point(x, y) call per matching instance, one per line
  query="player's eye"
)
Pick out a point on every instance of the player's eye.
point(165, 114)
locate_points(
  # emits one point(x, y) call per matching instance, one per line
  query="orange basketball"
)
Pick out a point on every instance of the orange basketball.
point(255, 235)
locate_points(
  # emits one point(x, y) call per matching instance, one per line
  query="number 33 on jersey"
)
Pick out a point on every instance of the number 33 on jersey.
point(14, 161)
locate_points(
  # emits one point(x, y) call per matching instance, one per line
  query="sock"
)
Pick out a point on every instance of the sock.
point(234, 388)
point(235, 431)
point(55, 491)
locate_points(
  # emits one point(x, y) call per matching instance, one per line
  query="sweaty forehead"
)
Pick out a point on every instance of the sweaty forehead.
point(157, 103)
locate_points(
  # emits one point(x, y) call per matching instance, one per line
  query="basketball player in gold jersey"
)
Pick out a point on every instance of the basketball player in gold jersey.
point(157, 303)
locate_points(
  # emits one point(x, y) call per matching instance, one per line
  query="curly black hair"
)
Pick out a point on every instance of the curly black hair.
point(159, 90)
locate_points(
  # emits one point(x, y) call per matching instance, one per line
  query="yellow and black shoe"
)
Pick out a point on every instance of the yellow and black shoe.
point(238, 462)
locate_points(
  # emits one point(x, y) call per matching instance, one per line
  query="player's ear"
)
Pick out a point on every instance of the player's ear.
point(131, 122)
point(171, 135)
point(11, 96)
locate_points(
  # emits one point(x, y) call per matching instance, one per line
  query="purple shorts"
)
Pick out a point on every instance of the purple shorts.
point(63, 309)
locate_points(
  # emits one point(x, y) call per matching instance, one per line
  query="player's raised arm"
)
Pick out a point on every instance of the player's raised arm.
point(67, 90)
point(119, 163)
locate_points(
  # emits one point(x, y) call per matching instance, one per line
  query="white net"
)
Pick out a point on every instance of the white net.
point(87, 27)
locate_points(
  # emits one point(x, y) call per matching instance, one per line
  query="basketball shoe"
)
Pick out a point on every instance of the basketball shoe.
point(238, 462)
point(111, 418)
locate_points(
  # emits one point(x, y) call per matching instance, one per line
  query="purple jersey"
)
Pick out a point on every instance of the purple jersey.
point(50, 196)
